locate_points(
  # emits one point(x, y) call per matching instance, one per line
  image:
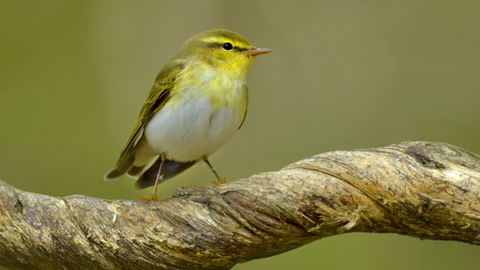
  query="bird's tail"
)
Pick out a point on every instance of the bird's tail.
point(124, 164)
point(170, 169)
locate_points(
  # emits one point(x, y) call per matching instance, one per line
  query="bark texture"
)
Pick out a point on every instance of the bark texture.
point(421, 189)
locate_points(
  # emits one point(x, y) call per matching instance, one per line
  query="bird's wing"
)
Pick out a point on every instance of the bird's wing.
point(245, 114)
point(161, 91)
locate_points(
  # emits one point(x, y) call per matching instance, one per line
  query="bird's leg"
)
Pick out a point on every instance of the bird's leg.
point(220, 180)
point(153, 197)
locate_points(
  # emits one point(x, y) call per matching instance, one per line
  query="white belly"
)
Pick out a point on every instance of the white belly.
point(192, 131)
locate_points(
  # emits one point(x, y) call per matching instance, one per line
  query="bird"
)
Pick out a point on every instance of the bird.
point(197, 103)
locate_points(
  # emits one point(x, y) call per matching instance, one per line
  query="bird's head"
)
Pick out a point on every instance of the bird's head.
point(222, 49)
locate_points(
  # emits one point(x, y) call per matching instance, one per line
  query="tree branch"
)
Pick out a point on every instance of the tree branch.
point(421, 189)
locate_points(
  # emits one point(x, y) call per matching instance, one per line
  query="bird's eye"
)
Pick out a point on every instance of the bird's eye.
point(227, 46)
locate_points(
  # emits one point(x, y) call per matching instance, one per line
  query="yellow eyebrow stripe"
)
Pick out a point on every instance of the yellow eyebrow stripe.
point(216, 40)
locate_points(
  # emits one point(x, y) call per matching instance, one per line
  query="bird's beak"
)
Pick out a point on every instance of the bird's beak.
point(254, 51)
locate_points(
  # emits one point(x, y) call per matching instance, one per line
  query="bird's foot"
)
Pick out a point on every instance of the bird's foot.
point(149, 198)
point(220, 181)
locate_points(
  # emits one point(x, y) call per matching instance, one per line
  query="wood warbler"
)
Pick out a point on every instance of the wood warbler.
point(198, 101)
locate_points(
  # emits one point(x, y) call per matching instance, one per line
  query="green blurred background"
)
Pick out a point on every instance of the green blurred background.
point(344, 75)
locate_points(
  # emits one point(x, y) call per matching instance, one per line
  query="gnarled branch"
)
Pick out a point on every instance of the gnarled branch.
point(421, 189)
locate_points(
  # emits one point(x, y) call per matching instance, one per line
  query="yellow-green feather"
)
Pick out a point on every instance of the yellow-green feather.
point(161, 90)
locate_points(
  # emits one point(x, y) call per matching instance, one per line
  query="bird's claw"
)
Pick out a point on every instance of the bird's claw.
point(220, 181)
point(149, 198)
